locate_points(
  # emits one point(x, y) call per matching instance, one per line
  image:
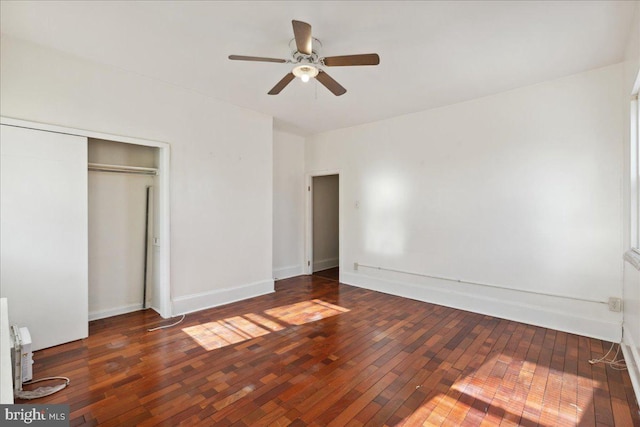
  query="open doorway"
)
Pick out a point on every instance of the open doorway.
point(122, 178)
point(324, 226)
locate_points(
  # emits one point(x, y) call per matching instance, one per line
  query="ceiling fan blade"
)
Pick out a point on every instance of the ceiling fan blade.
point(302, 33)
point(330, 84)
point(282, 84)
point(347, 60)
point(256, 58)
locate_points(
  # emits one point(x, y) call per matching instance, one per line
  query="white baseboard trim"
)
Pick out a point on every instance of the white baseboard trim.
point(102, 314)
point(286, 272)
point(545, 311)
point(324, 264)
point(204, 300)
point(632, 358)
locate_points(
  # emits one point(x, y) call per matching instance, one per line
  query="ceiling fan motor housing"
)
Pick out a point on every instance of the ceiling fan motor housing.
point(302, 58)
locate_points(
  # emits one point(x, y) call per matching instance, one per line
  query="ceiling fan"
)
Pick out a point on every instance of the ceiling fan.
point(308, 62)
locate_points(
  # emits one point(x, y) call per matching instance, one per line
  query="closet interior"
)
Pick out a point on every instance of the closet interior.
point(122, 188)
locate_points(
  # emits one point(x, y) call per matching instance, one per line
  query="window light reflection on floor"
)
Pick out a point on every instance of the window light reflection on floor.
point(305, 312)
point(510, 395)
point(233, 330)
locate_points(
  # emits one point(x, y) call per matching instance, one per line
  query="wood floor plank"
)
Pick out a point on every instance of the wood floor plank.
point(318, 353)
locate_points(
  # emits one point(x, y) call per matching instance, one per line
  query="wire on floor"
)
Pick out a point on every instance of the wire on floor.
point(41, 391)
point(614, 362)
point(167, 326)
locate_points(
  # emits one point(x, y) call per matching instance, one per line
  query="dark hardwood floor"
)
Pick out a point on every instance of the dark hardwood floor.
point(330, 273)
point(319, 353)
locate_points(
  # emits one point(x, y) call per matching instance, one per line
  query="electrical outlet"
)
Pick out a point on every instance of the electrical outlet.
point(355, 266)
point(615, 304)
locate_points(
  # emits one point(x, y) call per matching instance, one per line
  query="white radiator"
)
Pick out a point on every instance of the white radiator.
point(22, 356)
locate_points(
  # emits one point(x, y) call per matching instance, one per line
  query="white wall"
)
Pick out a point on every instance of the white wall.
point(519, 190)
point(221, 162)
point(6, 365)
point(288, 204)
point(325, 190)
point(631, 291)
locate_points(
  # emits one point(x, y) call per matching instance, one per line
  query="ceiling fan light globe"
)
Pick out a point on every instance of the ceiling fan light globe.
point(305, 72)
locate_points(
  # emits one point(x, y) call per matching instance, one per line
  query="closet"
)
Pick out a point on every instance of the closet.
point(122, 179)
point(81, 215)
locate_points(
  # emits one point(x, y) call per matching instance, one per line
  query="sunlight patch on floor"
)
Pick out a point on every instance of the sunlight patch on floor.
point(221, 333)
point(496, 389)
point(233, 330)
point(305, 312)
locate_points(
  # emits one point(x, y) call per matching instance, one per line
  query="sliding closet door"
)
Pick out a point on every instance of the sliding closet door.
point(43, 233)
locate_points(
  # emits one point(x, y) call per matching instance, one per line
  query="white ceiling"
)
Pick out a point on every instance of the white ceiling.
point(431, 53)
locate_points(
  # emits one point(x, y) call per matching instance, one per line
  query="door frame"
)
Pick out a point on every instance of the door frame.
point(308, 253)
point(164, 207)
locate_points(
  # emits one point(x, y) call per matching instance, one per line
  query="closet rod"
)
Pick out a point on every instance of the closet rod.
point(99, 167)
